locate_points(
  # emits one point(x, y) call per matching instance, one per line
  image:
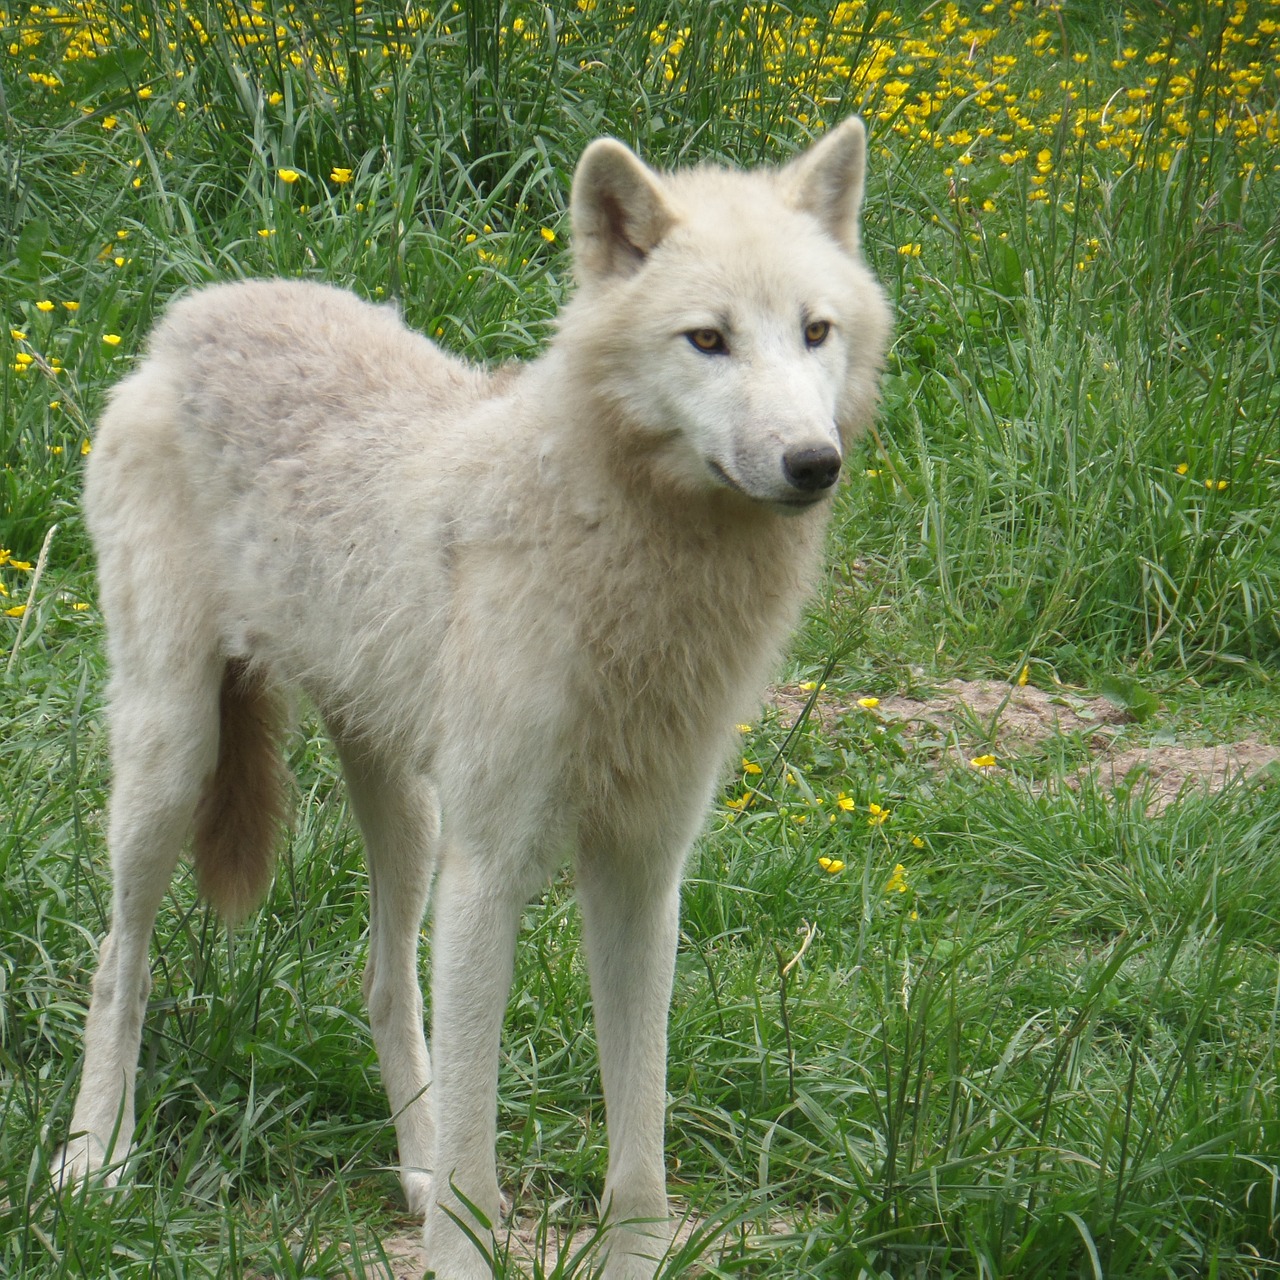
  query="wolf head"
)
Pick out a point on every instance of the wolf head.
point(728, 317)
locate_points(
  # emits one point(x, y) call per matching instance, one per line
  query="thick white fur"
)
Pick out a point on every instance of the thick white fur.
point(531, 607)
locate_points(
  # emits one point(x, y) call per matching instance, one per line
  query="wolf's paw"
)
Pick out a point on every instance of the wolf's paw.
point(417, 1190)
point(627, 1266)
point(453, 1255)
point(635, 1251)
point(83, 1157)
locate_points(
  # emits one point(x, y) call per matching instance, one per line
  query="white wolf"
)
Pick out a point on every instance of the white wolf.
point(530, 606)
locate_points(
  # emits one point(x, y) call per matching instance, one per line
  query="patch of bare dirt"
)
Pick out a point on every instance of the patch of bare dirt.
point(980, 713)
point(404, 1250)
point(973, 715)
point(969, 709)
point(404, 1254)
point(1166, 772)
point(962, 719)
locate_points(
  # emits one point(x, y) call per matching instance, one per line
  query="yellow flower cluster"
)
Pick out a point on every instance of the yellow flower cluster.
point(1209, 67)
point(85, 29)
point(22, 566)
point(1138, 104)
point(949, 78)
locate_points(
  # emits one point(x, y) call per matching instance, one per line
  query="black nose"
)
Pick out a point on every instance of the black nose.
point(812, 469)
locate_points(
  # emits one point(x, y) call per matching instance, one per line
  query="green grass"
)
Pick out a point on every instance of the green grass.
point(1047, 1045)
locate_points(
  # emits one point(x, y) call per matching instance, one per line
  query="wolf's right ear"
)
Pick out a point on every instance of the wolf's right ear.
point(619, 211)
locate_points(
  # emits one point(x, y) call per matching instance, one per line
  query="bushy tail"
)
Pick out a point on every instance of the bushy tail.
point(241, 813)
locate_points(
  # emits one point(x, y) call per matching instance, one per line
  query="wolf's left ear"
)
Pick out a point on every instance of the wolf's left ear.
point(827, 181)
point(619, 210)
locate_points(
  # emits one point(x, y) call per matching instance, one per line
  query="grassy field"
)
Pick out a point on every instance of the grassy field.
point(1034, 1030)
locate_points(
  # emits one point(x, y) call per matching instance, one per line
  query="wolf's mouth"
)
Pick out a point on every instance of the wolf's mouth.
point(726, 479)
point(801, 502)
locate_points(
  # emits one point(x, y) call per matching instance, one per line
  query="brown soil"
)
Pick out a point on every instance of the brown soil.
point(404, 1249)
point(962, 719)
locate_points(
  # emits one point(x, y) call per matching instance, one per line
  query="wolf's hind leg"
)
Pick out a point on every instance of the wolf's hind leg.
point(164, 741)
point(400, 822)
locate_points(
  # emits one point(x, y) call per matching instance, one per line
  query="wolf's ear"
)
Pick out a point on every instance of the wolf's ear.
point(619, 211)
point(827, 181)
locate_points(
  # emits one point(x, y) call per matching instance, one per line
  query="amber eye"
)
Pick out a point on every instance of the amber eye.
point(815, 332)
point(709, 341)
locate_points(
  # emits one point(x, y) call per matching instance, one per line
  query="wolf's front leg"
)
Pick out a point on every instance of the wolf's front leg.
point(630, 909)
point(472, 951)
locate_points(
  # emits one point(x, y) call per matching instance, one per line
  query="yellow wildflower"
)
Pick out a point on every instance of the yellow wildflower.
point(44, 305)
point(832, 866)
point(340, 175)
point(111, 339)
point(878, 815)
point(869, 703)
point(750, 767)
point(898, 881)
point(288, 175)
point(983, 762)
